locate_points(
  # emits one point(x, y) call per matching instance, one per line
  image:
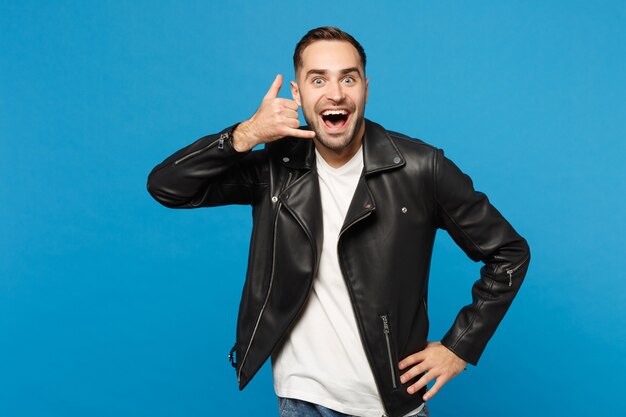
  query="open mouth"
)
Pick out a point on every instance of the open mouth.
point(335, 119)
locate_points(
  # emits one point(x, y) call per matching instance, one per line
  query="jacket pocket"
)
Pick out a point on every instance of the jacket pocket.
point(392, 364)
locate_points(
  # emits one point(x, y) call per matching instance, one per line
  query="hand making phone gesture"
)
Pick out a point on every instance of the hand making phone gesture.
point(274, 119)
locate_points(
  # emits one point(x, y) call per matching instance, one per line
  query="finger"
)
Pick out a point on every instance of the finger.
point(434, 389)
point(412, 373)
point(275, 87)
point(421, 383)
point(290, 104)
point(299, 133)
point(411, 360)
point(293, 123)
point(291, 114)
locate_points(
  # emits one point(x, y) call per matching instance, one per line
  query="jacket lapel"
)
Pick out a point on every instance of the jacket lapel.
point(302, 196)
point(379, 154)
point(302, 199)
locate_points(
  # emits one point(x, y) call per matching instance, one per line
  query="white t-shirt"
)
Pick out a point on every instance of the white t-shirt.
point(322, 360)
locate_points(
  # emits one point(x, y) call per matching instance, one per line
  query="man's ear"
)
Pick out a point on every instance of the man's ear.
point(295, 93)
point(367, 88)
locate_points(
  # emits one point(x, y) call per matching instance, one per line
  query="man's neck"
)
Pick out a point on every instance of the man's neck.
point(338, 158)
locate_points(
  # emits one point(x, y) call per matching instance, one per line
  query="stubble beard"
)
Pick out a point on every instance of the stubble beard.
point(325, 140)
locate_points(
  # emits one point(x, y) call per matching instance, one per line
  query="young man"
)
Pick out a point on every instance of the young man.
point(344, 219)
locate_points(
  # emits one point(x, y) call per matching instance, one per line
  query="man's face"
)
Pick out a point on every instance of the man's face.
point(332, 90)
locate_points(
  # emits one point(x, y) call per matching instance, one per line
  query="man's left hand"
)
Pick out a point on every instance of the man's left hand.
point(437, 361)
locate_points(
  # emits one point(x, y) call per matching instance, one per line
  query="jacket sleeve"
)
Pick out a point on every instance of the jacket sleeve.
point(209, 172)
point(484, 235)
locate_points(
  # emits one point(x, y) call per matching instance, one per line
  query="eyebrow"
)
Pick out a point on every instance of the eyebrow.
point(324, 72)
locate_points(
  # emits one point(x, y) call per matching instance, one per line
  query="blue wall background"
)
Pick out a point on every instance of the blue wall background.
point(111, 305)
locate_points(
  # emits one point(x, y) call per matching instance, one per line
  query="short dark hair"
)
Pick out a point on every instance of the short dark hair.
point(325, 33)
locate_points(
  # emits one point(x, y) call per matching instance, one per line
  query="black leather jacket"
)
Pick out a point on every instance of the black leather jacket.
point(407, 190)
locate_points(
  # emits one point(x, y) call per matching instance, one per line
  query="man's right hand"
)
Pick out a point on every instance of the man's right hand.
point(274, 119)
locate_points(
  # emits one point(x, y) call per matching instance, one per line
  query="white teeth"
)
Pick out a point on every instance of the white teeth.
point(329, 112)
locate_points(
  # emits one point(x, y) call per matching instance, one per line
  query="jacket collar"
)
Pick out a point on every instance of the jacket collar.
point(379, 151)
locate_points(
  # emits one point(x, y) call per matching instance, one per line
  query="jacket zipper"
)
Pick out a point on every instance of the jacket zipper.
point(352, 300)
point(219, 143)
point(511, 271)
point(269, 290)
point(387, 339)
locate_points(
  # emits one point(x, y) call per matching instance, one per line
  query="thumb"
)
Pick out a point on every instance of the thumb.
point(275, 88)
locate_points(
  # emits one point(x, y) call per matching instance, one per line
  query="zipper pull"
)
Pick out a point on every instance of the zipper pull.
point(231, 357)
point(385, 324)
point(510, 272)
point(220, 143)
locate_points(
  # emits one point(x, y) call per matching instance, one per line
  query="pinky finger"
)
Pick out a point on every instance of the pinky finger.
point(300, 133)
point(434, 389)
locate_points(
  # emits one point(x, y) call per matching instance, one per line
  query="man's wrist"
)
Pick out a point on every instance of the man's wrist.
point(242, 141)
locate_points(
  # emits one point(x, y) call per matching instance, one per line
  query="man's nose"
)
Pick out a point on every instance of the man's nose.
point(335, 92)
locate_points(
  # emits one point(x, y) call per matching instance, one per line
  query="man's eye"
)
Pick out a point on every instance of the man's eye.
point(318, 81)
point(349, 80)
